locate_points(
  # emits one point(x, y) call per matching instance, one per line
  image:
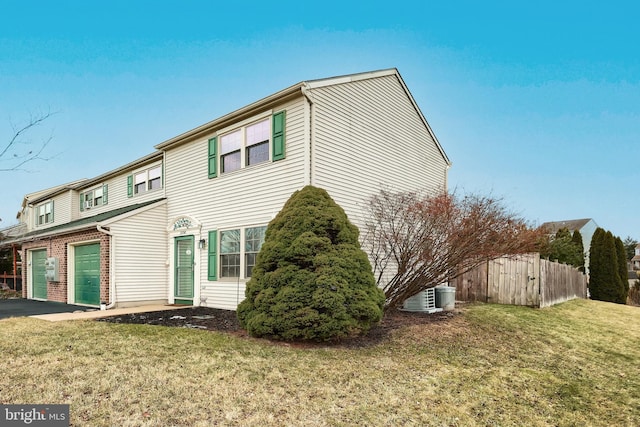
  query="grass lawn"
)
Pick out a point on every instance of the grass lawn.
point(575, 364)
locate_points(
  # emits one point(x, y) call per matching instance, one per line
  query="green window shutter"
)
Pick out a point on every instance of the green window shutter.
point(81, 202)
point(52, 211)
point(213, 157)
point(212, 270)
point(130, 186)
point(104, 194)
point(278, 136)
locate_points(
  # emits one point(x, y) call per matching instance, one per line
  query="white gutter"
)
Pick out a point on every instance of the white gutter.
point(112, 285)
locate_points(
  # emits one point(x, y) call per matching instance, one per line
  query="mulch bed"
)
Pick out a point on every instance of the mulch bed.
point(213, 319)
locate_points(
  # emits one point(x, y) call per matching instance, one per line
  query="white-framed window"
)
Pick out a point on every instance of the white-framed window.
point(93, 198)
point(231, 151)
point(145, 180)
point(253, 240)
point(257, 142)
point(238, 251)
point(250, 143)
point(230, 253)
point(44, 213)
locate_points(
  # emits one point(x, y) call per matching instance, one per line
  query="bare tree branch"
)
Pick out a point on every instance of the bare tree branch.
point(419, 241)
point(11, 153)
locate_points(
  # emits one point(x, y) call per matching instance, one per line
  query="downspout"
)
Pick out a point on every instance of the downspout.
point(308, 96)
point(446, 177)
point(112, 285)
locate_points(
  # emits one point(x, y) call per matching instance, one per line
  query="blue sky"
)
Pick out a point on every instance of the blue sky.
point(537, 103)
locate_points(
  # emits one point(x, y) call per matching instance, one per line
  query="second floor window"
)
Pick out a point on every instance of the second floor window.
point(253, 140)
point(93, 198)
point(44, 213)
point(230, 148)
point(247, 145)
point(143, 181)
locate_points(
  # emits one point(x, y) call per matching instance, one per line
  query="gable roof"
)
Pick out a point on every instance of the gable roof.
point(290, 93)
point(149, 158)
point(79, 224)
point(38, 196)
point(570, 224)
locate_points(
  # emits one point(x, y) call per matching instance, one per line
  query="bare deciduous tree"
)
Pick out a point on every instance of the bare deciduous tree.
point(18, 152)
point(418, 241)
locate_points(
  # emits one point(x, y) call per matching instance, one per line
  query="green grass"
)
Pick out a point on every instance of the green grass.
point(576, 364)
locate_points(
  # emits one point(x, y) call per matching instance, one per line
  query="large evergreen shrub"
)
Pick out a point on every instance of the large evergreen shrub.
point(564, 248)
point(621, 257)
point(576, 238)
point(604, 273)
point(312, 281)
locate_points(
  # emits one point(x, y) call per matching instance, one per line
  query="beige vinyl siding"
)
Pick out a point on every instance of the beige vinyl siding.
point(368, 135)
point(140, 255)
point(246, 197)
point(61, 211)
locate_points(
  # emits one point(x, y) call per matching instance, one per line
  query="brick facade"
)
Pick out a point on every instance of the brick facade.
point(58, 246)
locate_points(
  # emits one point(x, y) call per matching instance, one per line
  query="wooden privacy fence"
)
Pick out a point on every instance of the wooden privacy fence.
point(521, 280)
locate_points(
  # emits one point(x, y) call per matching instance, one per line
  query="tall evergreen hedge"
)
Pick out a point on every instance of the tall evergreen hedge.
point(312, 281)
point(576, 238)
point(621, 256)
point(605, 283)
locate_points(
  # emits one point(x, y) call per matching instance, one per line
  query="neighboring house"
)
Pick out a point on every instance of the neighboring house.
point(10, 262)
point(96, 233)
point(184, 224)
point(632, 277)
point(586, 227)
point(635, 261)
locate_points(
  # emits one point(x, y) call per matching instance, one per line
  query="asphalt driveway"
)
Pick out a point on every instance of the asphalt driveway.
point(24, 307)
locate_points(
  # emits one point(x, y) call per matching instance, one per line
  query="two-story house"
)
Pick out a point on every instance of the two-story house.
point(184, 224)
point(635, 261)
point(83, 229)
point(585, 226)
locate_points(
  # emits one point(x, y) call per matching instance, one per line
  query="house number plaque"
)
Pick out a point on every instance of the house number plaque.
point(182, 223)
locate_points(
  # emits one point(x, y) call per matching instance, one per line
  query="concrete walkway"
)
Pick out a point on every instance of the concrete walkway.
point(57, 317)
point(57, 311)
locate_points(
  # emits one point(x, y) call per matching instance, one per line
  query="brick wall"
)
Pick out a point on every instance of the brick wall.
point(58, 247)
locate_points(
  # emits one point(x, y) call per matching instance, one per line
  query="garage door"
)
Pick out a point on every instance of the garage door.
point(38, 280)
point(87, 274)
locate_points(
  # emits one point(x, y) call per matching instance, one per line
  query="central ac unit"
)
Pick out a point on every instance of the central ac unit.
point(424, 301)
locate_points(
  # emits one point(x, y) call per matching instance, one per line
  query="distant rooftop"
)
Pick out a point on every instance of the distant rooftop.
point(570, 224)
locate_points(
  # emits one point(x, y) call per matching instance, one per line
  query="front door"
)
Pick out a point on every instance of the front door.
point(183, 278)
point(38, 279)
point(87, 274)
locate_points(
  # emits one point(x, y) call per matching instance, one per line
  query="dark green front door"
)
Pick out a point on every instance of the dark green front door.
point(87, 274)
point(183, 277)
point(38, 279)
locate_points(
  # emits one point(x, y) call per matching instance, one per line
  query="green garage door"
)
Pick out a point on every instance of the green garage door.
point(38, 280)
point(87, 274)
